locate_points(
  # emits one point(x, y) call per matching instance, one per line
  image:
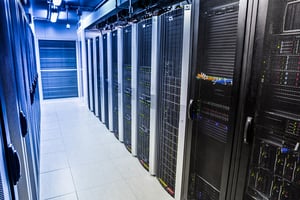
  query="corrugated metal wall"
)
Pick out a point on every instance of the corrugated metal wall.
point(58, 69)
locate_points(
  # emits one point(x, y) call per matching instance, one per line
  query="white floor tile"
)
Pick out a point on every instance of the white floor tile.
point(52, 146)
point(66, 197)
point(56, 183)
point(95, 175)
point(53, 161)
point(51, 134)
point(113, 191)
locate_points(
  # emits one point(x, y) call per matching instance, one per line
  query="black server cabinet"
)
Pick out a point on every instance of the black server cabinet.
point(170, 68)
point(218, 48)
point(105, 70)
point(97, 54)
point(143, 90)
point(272, 129)
point(127, 68)
point(114, 81)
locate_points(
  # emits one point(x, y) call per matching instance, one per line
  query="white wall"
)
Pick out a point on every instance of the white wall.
point(54, 31)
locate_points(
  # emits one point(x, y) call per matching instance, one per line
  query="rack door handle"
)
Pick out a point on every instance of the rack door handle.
point(189, 109)
point(247, 130)
point(14, 162)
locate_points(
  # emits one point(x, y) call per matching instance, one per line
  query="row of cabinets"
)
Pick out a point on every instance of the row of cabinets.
point(206, 96)
point(19, 106)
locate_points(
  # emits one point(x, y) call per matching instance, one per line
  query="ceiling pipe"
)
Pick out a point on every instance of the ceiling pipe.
point(100, 4)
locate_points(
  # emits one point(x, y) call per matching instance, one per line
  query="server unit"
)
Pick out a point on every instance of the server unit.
point(217, 63)
point(172, 94)
point(105, 80)
point(272, 113)
point(127, 68)
point(143, 83)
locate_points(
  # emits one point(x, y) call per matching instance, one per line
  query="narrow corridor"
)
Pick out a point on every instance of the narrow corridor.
point(82, 160)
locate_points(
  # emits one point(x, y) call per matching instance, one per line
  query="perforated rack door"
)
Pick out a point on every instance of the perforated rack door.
point(105, 79)
point(274, 171)
point(214, 113)
point(169, 96)
point(143, 91)
point(114, 49)
point(127, 86)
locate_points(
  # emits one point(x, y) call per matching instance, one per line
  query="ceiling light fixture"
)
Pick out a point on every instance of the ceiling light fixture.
point(57, 2)
point(68, 25)
point(54, 16)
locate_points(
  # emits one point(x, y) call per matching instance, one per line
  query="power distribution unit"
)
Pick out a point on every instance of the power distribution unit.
point(126, 67)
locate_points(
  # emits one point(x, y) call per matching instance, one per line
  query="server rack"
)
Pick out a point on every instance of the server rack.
point(272, 124)
point(99, 78)
point(127, 66)
point(218, 51)
point(172, 95)
point(101, 81)
point(96, 75)
point(87, 72)
point(105, 81)
point(114, 82)
point(91, 74)
point(144, 30)
point(110, 82)
point(120, 85)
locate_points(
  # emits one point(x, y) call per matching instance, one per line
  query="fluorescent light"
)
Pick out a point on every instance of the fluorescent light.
point(54, 16)
point(57, 2)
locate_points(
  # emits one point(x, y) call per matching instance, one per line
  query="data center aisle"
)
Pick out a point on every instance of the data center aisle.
point(82, 160)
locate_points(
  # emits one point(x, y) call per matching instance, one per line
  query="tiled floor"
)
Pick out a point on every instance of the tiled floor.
point(82, 160)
